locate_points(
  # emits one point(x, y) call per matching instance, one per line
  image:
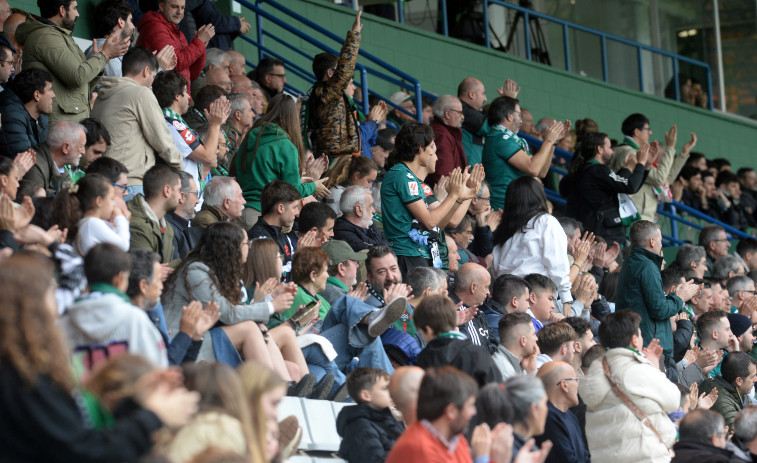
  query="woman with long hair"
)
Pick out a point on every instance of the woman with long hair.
point(212, 272)
point(348, 171)
point(9, 178)
point(223, 420)
point(530, 240)
point(273, 150)
point(42, 418)
point(528, 400)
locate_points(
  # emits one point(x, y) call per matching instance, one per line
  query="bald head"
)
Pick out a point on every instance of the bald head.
point(472, 91)
point(403, 387)
point(472, 284)
point(241, 84)
point(5, 11)
point(237, 63)
point(10, 26)
point(560, 382)
point(552, 372)
point(218, 77)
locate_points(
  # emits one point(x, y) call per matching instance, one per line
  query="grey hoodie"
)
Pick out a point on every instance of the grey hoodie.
point(99, 318)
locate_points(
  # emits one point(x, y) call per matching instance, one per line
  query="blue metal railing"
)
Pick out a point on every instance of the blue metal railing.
point(566, 27)
point(383, 70)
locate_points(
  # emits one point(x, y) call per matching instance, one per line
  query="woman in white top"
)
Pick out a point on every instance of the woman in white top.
point(102, 221)
point(530, 240)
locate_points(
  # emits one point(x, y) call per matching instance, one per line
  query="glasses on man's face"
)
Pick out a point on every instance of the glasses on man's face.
point(568, 379)
point(458, 111)
point(9, 62)
point(277, 75)
point(188, 192)
point(122, 187)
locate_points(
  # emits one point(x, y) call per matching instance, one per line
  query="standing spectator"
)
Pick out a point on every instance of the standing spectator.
point(273, 150)
point(518, 345)
point(472, 95)
point(328, 111)
point(715, 334)
point(64, 147)
point(24, 107)
point(132, 116)
point(448, 118)
point(236, 63)
point(159, 28)
point(594, 191)
point(239, 122)
point(270, 74)
point(111, 17)
point(736, 379)
point(702, 438)
point(530, 240)
point(665, 169)
point(624, 369)
point(355, 226)
point(203, 12)
point(640, 289)
point(349, 171)
point(507, 156)
point(49, 45)
point(562, 428)
point(715, 243)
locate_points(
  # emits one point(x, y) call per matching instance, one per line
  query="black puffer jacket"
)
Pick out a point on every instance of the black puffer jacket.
point(367, 434)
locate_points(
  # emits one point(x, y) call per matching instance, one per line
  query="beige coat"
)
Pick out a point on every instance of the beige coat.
point(137, 129)
point(219, 430)
point(614, 434)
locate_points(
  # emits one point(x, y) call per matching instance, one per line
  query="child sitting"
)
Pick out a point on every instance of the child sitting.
point(436, 322)
point(368, 429)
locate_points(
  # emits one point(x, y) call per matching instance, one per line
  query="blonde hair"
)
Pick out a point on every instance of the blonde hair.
point(257, 380)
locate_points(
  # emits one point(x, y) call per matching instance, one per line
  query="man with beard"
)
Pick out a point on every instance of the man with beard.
point(185, 237)
point(355, 226)
point(49, 44)
point(383, 272)
point(148, 226)
point(144, 290)
point(111, 17)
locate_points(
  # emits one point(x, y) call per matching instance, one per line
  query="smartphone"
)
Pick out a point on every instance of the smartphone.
point(311, 304)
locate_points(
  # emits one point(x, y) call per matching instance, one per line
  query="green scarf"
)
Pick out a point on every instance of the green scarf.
point(108, 289)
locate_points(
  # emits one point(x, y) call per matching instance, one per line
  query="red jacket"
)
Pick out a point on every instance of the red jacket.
point(449, 150)
point(155, 32)
point(417, 444)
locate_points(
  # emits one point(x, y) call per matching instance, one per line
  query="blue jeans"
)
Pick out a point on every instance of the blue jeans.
point(350, 338)
point(133, 191)
point(320, 365)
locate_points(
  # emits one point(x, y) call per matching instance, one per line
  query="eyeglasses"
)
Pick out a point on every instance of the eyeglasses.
point(123, 187)
point(720, 240)
point(277, 75)
point(568, 379)
point(7, 62)
point(459, 111)
point(483, 199)
point(186, 192)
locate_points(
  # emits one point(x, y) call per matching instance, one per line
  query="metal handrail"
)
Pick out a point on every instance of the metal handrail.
point(603, 36)
point(405, 80)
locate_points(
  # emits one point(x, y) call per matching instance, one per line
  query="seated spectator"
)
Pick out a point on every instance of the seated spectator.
point(463, 236)
point(734, 381)
point(528, 399)
point(700, 303)
point(148, 227)
point(160, 28)
point(396, 118)
point(715, 334)
point(37, 382)
point(355, 226)
point(223, 202)
point(245, 86)
point(318, 219)
point(24, 106)
point(748, 183)
point(132, 116)
point(403, 387)
point(63, 148)
point(223, 418)
point(98, 142)
point(689, 189)
point(112, 17)
point(741, 327)
point(185, 237)
point(471, 288)
point(518, 347)
point(423, 282)
point(562, 427)
point(715, 242)
point(730, 208)
point(369, 429)
point(106, 315)
point(203, 97)
point(280, 206)
point(510, 294)
point(346, 172)
point(747, 251)
point(532, 240)
point(241, 118)
point(171, 91)
point(448, 118)
point(380, 151)
point(236, 63)
point(744, 434)
point(542, 300)
point(740, 290)
point(702, 438)
point(273, 151)
point(692, 257)
point(727, 267)
point(270, 74)
point(640, 379)
point(436, 321)
point(343, 266)
point(506, 156)
point(485, 221)
point(144, 291)
point(556, 343)
point(585, 341)
point(9, 178)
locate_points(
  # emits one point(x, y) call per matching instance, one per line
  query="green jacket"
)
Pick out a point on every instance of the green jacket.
point(640, 289)
point(274, 157)
point(147, 232)
point(207, 216)
point(52, 48)
point(45, 173)
point(729, 402)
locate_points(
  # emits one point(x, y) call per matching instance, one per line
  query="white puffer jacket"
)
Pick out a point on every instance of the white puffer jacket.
point(614, 433)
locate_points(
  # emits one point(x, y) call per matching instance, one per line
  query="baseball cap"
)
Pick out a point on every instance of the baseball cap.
point(399, 97)
point(339, 252)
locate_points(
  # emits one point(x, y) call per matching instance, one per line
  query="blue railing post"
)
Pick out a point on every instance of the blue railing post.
point(675, 77)
point(487, 40)
point(566, 46)
point(401, 11)
point(603, 47)
point(259, 23)
point(445, 28)
point(418, 102)
point(709, 90)
point(364, 90)
point(641, 69)
point(527, 30)
point(674, 224)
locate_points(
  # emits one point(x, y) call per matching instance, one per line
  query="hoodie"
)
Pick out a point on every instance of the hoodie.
point(367, 434)
point(138, 132)
point(100, 318)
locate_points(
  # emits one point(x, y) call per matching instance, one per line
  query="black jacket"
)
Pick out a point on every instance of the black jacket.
point(262, 229)
point(463, 355)
point(185, 238)
point(358, 238)
point(688, 451)
point(367, 434)
point(592, 197)
point(19, 131)
point(44, 423)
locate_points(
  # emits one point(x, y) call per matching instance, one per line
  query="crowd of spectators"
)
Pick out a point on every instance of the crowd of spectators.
point(183, 244)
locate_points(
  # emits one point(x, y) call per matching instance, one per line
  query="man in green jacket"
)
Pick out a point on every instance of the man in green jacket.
point(734, 383)
point(640, 289)
point(48, 44)
point(148, 226)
